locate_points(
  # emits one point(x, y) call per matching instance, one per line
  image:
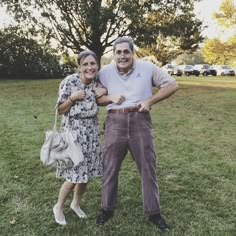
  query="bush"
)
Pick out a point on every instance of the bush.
point(24, 57)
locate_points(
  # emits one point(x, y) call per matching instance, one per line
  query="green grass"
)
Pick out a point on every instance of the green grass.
point(194, 132)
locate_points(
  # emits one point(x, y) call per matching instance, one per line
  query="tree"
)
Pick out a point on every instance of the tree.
point(190, 59)
point(168, 48)
point(217, 52)
point(94, 24)
point(164, 50)
point(213, 51)
point(227, 15)
point(25, 57)
point(171, 36)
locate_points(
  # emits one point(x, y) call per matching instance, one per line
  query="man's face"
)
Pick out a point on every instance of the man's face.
point(123, 57)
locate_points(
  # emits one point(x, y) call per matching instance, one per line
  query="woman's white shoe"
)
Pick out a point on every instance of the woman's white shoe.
point(60, 220)
point(78, 211)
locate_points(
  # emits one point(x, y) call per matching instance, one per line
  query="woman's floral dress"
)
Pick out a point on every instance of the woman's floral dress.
point(83, 122)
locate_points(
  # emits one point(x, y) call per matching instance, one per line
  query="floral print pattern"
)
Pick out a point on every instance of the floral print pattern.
point(82, 120)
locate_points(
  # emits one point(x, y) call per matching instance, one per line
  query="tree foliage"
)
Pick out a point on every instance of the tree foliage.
point(172, 34)
point(217, 52)
point(24, 57)
point(190, 58)
point(227, 14)
point(164, 50)
point(94, 24)
point(168, 48)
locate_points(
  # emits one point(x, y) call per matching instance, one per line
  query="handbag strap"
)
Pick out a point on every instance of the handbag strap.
point(55, 119)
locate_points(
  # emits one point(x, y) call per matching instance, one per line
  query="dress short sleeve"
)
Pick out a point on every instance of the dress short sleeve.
point(65, 89)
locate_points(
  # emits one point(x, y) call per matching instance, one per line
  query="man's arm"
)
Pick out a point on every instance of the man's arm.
point(160, 95)
point(107, 99)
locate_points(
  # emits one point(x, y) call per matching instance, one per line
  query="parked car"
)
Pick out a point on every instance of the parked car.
point(189, 70)
point(205, 69)
point(169, 68)
point(224, 70)
point(178, 71)
point(213, 71)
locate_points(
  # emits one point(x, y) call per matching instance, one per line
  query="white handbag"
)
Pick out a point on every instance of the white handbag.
point(60, 147)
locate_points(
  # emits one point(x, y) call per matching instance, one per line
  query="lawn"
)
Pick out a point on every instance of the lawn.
point(194, 132)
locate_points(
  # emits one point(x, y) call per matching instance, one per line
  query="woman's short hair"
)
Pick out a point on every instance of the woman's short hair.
point(84, 54)
point(124, 40)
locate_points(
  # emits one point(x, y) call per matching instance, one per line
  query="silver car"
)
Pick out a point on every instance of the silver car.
point(224, 70)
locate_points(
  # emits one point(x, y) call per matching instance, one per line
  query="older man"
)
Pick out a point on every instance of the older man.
point(128, 126)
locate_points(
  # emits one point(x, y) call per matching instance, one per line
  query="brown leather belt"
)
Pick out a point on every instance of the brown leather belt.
point(124, 110)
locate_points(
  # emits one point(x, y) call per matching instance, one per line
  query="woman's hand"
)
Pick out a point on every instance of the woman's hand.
point(75, 96)
point(78, 95)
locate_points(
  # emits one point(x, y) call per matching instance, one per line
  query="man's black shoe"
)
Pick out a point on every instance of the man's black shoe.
point(158, 220)
point(104, 217)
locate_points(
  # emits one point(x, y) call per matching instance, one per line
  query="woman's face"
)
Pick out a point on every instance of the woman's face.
point(88, 68)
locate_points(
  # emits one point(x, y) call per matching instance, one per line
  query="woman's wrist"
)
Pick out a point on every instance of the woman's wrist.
point(71, 100)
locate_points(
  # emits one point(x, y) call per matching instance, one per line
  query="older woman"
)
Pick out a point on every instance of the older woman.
point(77, 103)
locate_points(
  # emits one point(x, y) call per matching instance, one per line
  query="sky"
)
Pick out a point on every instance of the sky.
point(4, 18)
point(203, 10)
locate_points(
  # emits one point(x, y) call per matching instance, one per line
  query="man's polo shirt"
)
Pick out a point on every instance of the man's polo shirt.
point(136, 85)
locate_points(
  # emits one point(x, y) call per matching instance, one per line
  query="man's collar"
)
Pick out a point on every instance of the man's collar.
point(123, 74)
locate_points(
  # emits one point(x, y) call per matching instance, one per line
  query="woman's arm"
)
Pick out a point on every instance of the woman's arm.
point(65, 106)
point(75, 96)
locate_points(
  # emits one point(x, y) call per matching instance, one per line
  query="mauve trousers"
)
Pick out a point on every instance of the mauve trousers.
point(130, 131)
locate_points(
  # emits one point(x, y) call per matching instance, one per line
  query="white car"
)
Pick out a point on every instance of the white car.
point(169, 68)
point(189, 70)
point(224, 70)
